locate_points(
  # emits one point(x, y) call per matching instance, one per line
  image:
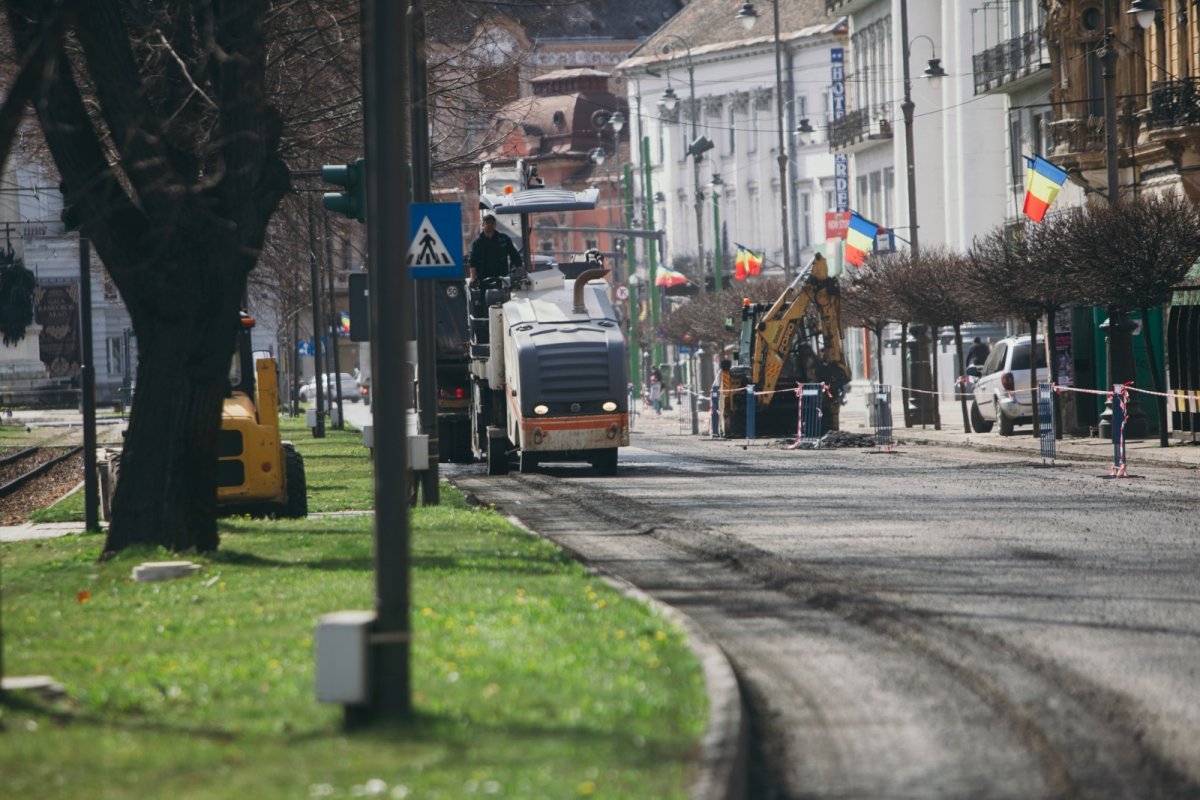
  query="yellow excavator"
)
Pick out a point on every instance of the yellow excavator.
point(777, 352)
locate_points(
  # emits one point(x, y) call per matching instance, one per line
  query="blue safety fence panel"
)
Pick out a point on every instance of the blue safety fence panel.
point(880, 414)
point(1046, 422)
point(810, 413)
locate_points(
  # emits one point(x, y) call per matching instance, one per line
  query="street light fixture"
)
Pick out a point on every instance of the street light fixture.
point(805, 131)
point(699, 145)
point(747, 15)
point(1145, 12)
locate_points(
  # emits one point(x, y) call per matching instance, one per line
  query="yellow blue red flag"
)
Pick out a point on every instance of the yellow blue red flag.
point(860, 238)
point(1042, 182)
point(748, 262)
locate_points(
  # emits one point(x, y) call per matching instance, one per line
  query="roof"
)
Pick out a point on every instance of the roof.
point(454, 20)
point(710, 27)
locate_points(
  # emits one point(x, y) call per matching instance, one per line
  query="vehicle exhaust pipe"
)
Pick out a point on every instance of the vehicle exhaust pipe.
point(581, 281)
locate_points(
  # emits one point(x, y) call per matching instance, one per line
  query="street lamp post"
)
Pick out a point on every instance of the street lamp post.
point(921, 379)
point(748, 16)
point(698, 147)
point(1119, 329)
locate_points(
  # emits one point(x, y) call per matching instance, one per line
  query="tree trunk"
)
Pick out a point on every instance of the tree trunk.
point(962, 372)
point(1158, 381)
point(879, 354)
point(1033, 384)
point(935, 341)
point(167, 492)
point(1052, 347)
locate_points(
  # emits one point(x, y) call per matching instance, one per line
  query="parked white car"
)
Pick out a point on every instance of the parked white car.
point(1002, 394)
point(351, 390)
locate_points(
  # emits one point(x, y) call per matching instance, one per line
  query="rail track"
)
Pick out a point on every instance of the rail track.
point(35, 456)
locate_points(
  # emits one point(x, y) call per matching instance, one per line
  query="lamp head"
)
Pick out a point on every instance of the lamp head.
point(670, 100)
point(805, 131)
point(597, 155)
point(1144, 11)
point(617, 121)
point(747, 15)
point(934, 71)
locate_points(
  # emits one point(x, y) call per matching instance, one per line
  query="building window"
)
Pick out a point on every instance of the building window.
point(862, 197)
point(889, 196)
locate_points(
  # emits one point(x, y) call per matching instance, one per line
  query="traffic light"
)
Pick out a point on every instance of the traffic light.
point(352, 202)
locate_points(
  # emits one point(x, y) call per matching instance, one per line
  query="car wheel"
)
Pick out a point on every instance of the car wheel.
point(1006, 424)
point(978, 423)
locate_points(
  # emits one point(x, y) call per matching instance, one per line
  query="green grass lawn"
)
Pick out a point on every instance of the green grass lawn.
point(531, 678)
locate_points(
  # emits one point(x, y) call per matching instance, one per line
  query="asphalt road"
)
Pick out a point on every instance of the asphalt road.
point(932, 623)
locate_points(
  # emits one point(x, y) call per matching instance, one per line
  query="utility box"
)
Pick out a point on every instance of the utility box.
point(343, 656)
point(418, 451)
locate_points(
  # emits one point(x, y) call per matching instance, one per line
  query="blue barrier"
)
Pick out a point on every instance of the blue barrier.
point(809, 429)
point(881, 415)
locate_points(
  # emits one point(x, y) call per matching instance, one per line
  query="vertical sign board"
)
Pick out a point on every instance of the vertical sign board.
point(435, 241)
point(837, 94)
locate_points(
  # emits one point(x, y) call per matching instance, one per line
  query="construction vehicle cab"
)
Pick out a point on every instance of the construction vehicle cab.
point(779, 349)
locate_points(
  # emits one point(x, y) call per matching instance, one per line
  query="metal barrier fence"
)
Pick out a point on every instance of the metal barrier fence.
point(880, 415)
point(809, 427)
point(1046, 422)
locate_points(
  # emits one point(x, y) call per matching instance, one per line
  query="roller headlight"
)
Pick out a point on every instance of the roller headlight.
point(609, 405)
point(541, 408)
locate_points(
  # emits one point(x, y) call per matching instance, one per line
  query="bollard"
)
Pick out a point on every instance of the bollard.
point(1119, 467)
point(695, 418)
point(750, 403)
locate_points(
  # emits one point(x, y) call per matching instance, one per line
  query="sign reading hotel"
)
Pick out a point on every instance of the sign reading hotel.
point(837, 95)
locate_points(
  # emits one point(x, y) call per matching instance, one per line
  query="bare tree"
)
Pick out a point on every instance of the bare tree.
point(174, 178)
point(1131, 256)
point(868, 303)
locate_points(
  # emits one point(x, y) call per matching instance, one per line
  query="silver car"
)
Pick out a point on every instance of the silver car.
point(1002, 394)
point(351, 390)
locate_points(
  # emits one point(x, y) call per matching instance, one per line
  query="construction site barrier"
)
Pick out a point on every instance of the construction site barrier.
point(1046, 422)
point(808, 423)
point(879, 415)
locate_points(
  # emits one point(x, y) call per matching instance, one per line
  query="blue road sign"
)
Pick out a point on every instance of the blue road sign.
point(435, 249)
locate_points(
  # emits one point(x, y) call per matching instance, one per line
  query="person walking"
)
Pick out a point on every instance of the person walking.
point(492, 253)
point(656, 392)
point(978, 353)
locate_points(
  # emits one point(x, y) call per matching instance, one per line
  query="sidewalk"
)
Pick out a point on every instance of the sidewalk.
point(854, 420)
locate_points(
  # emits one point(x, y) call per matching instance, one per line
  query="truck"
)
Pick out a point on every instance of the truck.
point(453, 364)
point(779, 349)
point(549, 375)
point(257, 471)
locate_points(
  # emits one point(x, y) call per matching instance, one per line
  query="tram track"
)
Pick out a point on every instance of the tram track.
point(33, 476)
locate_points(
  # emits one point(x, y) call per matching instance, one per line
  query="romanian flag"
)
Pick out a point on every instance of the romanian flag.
point(670, 278)
point(343, 323)
point(860, 239)
point(1042, 182)
point(748, 262)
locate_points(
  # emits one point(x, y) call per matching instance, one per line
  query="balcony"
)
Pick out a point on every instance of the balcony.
point(1174, 104)
point(855, 127)
point(1010, 61)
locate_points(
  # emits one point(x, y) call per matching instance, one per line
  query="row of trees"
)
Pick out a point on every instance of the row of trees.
point(1124, 257)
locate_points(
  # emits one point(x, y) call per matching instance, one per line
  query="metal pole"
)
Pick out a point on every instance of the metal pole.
point(907, 107)
point(427, 386)
point(782, 157)
point(386, 127)
point(651, 254)
point(315, 284)
point(87, 376)
point(718, 259)
point(334, 324)
point(695, 112)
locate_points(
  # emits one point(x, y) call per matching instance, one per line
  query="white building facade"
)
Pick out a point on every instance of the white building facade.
point(735, 106)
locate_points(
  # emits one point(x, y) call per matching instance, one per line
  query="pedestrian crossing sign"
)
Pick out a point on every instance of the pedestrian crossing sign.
point(435, 247)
